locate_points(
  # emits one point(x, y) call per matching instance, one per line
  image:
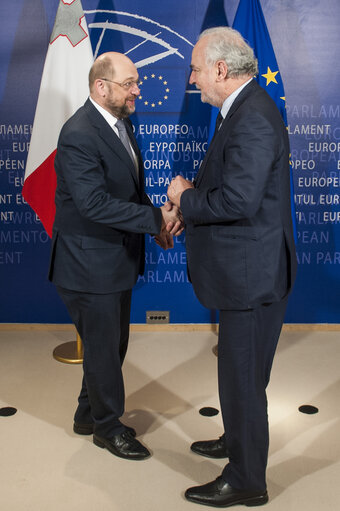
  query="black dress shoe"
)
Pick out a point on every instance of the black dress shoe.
point(218, 493)
point(123, 445)
point(87, 429)
point(211, 448)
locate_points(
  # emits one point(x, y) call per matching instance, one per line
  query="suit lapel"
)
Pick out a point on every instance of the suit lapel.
point(206, 157)
point(248, 90)
point(109, 136)
point(133, 140)
point(220, 136)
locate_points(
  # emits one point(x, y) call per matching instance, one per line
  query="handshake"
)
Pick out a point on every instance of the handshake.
point(172, 220)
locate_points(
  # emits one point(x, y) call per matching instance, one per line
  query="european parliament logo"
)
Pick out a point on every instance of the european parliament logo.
point(160, 53)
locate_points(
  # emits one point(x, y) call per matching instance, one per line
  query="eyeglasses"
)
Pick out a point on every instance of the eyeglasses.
point(125, 85)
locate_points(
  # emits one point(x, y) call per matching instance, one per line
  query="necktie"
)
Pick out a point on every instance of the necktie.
point(124, 137)
point(219, 121)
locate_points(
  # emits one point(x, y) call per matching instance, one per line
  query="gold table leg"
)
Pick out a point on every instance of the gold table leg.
point(70, 352)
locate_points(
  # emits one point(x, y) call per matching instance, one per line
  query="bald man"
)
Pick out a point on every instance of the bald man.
point(102, 214)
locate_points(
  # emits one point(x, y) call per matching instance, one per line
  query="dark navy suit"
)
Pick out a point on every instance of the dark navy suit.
point(102, 213)
point(241, 260)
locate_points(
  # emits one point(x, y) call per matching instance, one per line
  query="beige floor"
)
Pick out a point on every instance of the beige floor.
point(169, 377)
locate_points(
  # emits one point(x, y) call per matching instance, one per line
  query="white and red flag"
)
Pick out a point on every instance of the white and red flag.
point(63, 89)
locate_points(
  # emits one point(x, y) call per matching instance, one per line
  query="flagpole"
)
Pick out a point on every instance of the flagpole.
point(63, 89)
point(70, 352)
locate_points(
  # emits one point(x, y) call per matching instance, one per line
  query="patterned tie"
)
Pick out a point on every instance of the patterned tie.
point(124, 137)
point(219, 121)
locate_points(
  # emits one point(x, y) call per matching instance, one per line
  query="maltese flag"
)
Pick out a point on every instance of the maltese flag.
point(63, 89)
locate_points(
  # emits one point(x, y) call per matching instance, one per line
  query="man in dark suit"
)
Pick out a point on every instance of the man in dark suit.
point(241, 255)
point(102, 213)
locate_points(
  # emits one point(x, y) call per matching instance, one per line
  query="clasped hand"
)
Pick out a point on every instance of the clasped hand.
point(177, 186)
point(172, 225)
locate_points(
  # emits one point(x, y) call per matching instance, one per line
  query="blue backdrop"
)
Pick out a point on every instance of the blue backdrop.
point(171, 126)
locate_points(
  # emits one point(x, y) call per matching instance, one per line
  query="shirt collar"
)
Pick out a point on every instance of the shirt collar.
point(111, 119)
point(230, 99)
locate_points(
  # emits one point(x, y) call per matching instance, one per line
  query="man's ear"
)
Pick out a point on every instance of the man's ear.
point(99, 86)
point(221, 70)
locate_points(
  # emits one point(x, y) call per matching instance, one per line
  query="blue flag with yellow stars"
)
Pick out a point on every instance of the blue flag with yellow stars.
point(250, 22)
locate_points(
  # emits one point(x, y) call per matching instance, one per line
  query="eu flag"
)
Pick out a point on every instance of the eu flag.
point(250, 22)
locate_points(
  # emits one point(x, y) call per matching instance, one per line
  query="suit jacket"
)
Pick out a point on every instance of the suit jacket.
point(239, 233)
point(102, 211)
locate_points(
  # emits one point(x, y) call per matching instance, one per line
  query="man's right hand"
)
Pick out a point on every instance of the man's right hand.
point(172, 219)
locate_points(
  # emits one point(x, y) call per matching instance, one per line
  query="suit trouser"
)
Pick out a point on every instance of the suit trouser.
point(246, 348)
point(102, 321)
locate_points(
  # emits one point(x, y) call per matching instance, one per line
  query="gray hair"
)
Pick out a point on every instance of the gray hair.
point(227, 44)
point(101, 68)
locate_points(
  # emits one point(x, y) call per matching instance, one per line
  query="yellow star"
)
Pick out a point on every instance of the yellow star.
point(159, 102)
point(270, 76)
point(160, 78)
point(284, 98)
point(167, 90)
point(165, 83)
point(146, 102)
point(145, 77)
point(140, 83)
point(152, 76)
point(153, 104)
point(140, 97)
point(165, 97)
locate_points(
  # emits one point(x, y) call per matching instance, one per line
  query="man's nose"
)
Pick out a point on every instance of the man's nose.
point(135, 89)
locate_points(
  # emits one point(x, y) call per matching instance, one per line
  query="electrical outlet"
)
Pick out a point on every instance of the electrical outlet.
point(157, 317)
